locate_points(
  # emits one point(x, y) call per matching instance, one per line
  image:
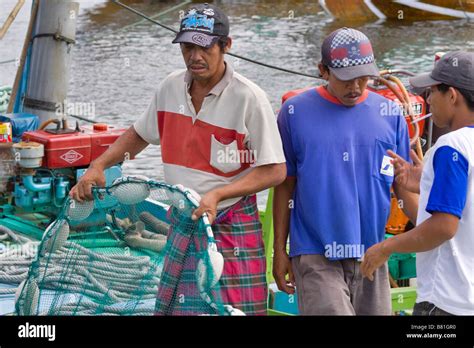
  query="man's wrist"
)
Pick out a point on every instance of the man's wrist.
point(219, 194)
point(277, 249)
point(97, 165)
point(387, 246)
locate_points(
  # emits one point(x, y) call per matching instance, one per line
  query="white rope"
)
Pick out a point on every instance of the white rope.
point(111, 280)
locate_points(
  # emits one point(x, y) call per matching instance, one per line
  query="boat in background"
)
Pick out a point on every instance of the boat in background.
point(413, 10)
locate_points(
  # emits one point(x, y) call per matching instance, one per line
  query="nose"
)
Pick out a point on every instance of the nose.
point(196, 54)
point(353, 85)
point(428, 99)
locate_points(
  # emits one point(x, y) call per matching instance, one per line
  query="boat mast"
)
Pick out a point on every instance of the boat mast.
point(52, 40)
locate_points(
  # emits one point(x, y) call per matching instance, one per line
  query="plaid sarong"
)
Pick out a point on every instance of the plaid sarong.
point(243, 285)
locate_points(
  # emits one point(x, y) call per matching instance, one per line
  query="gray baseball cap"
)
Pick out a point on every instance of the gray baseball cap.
point(455, 69)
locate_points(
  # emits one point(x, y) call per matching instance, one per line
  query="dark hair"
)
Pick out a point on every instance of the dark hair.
point(325, 67)
point(222, 42)
point(468, 95)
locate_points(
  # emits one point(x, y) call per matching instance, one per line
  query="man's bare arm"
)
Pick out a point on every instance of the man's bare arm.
point(436, 230)
point(281, 225)
point(128, 145)
point(433, 232)
point(258, 179)
point(281, 212)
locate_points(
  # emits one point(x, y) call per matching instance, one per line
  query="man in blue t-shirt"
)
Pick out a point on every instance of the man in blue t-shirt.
point(335, 201)
point(444, 234)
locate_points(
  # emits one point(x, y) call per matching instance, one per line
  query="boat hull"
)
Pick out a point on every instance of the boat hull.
point(370, 10)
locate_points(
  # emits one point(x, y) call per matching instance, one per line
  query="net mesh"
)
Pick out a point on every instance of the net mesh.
point(133, 250)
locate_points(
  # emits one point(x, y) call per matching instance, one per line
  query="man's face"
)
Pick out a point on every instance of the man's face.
point(202, 63)
point(440, 106)
point(347, 92)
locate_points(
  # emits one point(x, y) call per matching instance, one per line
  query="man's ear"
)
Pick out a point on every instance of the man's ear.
point(229, 45)
point(324, 72)
point(453, 95)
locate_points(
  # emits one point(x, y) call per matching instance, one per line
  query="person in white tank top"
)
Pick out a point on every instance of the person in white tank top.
point(444, 234)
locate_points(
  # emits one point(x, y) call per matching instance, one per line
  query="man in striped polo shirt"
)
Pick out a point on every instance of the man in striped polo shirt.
point(219, 137)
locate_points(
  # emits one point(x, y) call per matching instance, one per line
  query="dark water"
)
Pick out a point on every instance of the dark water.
point(117, 67)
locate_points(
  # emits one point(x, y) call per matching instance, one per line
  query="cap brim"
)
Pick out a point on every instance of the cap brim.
point(196, 38)
point(356, 71)
point(423, 81)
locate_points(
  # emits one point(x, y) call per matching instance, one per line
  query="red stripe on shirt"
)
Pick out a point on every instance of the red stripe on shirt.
point(326, 95)
point(189, 145)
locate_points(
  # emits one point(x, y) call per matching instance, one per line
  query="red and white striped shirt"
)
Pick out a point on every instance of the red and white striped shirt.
point(234, 130)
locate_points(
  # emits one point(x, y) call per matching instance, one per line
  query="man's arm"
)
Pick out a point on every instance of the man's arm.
point(128, 145)
point(281, 225)
point(433, 232)
point(258, 179)
point(446, 203)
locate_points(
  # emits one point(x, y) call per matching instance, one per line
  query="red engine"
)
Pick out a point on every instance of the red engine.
point(417, 102)
point(76, 149)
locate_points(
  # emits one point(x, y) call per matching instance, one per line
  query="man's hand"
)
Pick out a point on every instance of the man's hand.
point(407, 175)
point(208, 204)
point(83, 189)
point(373, 258)
point(282, 268)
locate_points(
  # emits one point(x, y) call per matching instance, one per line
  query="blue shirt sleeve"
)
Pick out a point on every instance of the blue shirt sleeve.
point(286, 139)
point(449, 191)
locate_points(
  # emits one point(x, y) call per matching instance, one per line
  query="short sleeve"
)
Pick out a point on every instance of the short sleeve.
point(449, 191)
point(147, 124)
point(285, 134)
point(264, 139)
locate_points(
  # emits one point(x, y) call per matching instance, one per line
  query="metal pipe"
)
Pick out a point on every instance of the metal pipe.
point(421, 118)
point(29, 183)
point(430, 133)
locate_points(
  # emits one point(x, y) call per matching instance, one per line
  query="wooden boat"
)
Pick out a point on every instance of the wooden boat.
point(414, 10)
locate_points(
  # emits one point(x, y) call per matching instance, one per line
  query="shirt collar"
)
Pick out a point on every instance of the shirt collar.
point(221, 85)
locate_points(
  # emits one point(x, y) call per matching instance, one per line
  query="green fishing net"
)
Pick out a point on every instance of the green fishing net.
point(133, 250)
